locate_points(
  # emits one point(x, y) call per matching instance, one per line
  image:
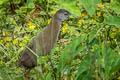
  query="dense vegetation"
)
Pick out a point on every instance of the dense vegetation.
point(88, 48)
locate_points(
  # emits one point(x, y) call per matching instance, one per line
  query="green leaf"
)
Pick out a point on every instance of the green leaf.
point(93, 33)
point(3, 1)
point(69, 5)
point(70, 52)
point(90, 6)
point(48, 77)
point(30, 4)
point(4, 73)
point(108, 60)
point(112, 20)
point(112, 62)
point(40, 1)
point(84, 72)
point(115, 6)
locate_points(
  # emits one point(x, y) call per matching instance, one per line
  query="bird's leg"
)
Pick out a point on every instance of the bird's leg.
point(27, 74)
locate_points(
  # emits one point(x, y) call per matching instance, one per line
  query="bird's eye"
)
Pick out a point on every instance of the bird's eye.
point(65, 13)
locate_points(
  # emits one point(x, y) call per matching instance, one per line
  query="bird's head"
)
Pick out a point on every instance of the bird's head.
point(63, 15)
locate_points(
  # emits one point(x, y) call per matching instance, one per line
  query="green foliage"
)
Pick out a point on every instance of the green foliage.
point(112, 20)
point(3, 1)
point(88, 48)
point(30, 4)
point(71, 7)
point(114, 5)
point(104, 61)
point(70, 52)
point(85, 71)
point(90, 6)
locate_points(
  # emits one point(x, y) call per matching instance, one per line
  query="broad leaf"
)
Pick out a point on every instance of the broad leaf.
point(69, 52)
point(112, 20)
point(90, 6)
point(3, 1)
point(84, 72)
point(30, 4)
point(114, 5)
point(69, 5)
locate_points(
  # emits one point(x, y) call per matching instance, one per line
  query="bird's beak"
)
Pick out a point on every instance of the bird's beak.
point(73, 16)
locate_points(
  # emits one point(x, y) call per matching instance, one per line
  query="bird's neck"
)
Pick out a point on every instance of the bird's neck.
point(55, 26)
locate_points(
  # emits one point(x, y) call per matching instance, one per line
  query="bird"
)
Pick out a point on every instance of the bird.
point(43, 42)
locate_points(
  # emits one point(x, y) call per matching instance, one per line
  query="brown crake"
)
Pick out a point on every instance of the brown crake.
point(43, 42)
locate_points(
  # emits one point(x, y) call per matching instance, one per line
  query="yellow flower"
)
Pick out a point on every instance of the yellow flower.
point(112, 35)
point(1, 41)
point(99, 13)
point(30, 24)
point(118, 78)
point(63, 30)
point(15, 41)
point(54, 12)
point(7, 45)
point(64, 22)
point(80, 22)
point(20, 44)
point(70, 16)
point(100, 4)
point(49, 21)
point(113, 29)
point(84, 14)
point(25, 10)
point(32, 27)
point(65, 25)
point(3, 33)
point(118, 30)
point(8, 39)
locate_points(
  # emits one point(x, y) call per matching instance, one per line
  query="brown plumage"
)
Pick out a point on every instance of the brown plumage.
point(44, 41)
